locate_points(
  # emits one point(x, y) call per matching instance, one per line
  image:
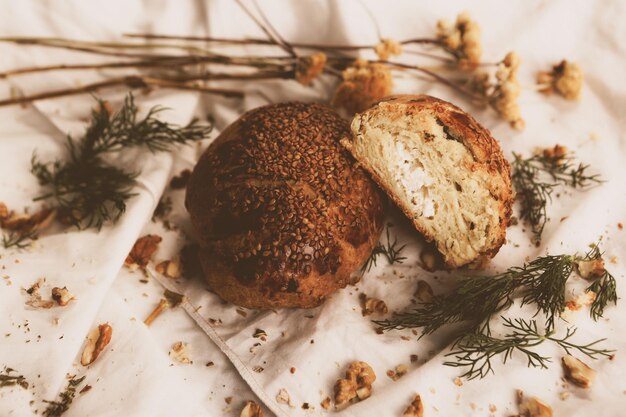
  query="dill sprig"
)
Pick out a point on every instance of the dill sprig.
point(475, 351)
point(58, 408)
point(88, 189)
point(18, 240)
point(8, 380)
point(477, 299)
point(605, 287)
point(536, 177)
point(390, 250)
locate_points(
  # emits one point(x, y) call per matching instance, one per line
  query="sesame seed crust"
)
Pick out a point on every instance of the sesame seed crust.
point(283, 213)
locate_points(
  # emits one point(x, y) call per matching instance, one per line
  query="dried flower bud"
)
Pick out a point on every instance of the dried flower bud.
point(387, 48)
point(251, 409)
point(578, 372)
point(507, 90)
point(363, 84)
point(310, 67)
point(62, 296)
point(557, 153)
point(97, 340)
point(462, 40)
point(415, 409)
point(566, 79)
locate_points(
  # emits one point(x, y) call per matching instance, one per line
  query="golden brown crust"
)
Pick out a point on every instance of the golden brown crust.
point(282, 212)
point(463, 128)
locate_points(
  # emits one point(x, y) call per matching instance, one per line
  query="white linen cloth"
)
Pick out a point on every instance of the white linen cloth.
point(134, 376)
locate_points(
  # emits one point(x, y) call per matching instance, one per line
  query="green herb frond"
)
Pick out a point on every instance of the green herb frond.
point(477, 299)
point(390, 250)
point(89, 190)
point(475, 351)
point(535, 179)
point(605, 287)
point(18, 240)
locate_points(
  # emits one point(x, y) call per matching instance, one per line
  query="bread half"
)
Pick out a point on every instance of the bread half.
point(442, 168)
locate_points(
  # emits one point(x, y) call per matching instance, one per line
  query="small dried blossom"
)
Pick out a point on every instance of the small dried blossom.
point(310, 67)
point(364, 83)
point(387, 48)
point(462, 40)
point(566, 78)
point(507, 90)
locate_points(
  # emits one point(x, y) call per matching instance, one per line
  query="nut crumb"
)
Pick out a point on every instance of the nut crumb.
point(97, 340)
point(372, 305)
point(578, 372)
point(170, 268)
point(424, 291)
point(564, 395)
point(142, 251)
point(283, 397)
point(251, 409)
point(356, 386)
point(62, 296)
point(415, 409)
point(325, 404)
point(398, 373)
point(35, 300)
point(180, 352)
point(533, 406)
point(591, 269)
point(458, 382)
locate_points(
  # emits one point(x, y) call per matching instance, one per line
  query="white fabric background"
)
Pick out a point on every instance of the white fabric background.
point(135, 376)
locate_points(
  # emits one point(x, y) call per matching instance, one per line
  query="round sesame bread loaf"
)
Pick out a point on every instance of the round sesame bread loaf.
point(282, 212)
point(442, 168)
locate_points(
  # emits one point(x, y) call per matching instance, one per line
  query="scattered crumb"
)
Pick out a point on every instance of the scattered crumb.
point(458, 382)
point(180, 352)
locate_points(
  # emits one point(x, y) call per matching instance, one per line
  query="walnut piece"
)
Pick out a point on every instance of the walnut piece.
point(428, 256)
point(415, 409)
point(142, 251)
point(424, 292)
point(372, 305)
point(357, 385)
point(325, 404)
point(532, 407)
point(180, 352)
point(251, 409)
point(591, 269)
point(578, 372)
point(28, 222)
point(62, 296)
point(171, 268)
point(35, 300)
point(97, 340)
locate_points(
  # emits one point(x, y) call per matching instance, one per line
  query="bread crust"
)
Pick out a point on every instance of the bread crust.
point(282, 212)
point(461, 126)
